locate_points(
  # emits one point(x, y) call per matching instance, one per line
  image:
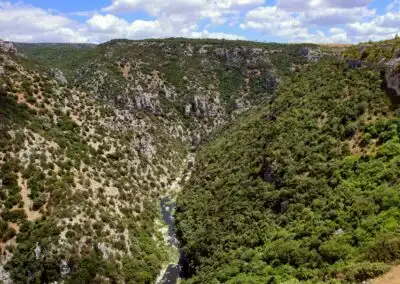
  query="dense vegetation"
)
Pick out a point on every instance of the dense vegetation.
point(67, 57)
point(95, 134)
point(374, 52)
point(304, 189)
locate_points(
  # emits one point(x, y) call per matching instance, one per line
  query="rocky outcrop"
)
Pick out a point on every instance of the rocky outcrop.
point(202, 106)
point(58, 75)
point(38, 251)
point(64, 268)
point(4, 276)
point(393, 82)
point(389, 69)
point(243, 55)
point(149, 101)
point(312, 54)
point(6, 46)
point(147, 148)
point(354, 63)
point(392, 75)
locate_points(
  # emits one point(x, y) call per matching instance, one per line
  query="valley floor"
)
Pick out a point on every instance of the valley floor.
point(172, 270)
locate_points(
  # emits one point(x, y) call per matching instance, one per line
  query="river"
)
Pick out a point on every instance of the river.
point(174, 271)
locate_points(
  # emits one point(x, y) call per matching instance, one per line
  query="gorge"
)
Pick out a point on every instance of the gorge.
point(198, 161)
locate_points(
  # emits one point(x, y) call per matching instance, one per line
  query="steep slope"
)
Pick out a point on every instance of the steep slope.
point(383, 57)
point(78, 181)
point(204, 82)
point(95, 135)
point(304, 189)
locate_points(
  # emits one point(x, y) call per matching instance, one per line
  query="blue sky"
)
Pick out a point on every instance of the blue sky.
point(329, 21)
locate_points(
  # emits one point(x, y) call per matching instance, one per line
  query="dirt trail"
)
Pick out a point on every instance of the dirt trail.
point(392, 277)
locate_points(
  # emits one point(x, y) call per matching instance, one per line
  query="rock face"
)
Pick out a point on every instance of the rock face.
point(354, 63)
point(6, 46)
point(209, 82)
point(392, 75)
point(393, 82)
point(58, 75)
point(312, 54)
point(4, 276)
point(64, 268)
point(388, 68)
point(38, 251)
point(379, 57)
point(147, 101)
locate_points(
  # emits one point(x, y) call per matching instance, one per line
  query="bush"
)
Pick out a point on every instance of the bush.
point(335, 249)
point(385, 248)
point(9, 234)
point(70, 234)
point(362, 271)
point(38, 202)
point(14, 216)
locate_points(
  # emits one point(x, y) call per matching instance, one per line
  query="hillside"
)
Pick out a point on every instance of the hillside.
point(304, 189)
point(207, 82)
point(79, 174)
point(94, 136)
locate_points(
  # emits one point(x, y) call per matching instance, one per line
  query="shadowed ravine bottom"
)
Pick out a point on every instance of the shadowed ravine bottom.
point(174, 271)
point(168, 205)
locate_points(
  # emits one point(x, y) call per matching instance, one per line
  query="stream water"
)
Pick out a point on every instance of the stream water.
point(167, 204)
point(174, 271)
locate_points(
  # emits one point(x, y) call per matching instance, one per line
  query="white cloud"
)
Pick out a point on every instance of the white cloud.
point(107, 23)
point(105, 27)
point(207, 34)
point(321, 21)
point(288, 20)
point(344, 3)
point(272, 21)
point(156, 7)
point(21, 22)
point(336, 31)
point(337, 16)
point(381, 27)
point(390, 20)
point(307, 5)
point(26, 23)
point(394, 6)
point(217, 11)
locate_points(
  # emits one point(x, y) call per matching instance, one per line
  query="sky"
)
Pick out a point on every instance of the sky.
point(96, 21)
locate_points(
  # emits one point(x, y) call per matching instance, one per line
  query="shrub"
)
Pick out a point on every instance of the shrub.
point(14, 216)
point(362, 271)
point(385, 248)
